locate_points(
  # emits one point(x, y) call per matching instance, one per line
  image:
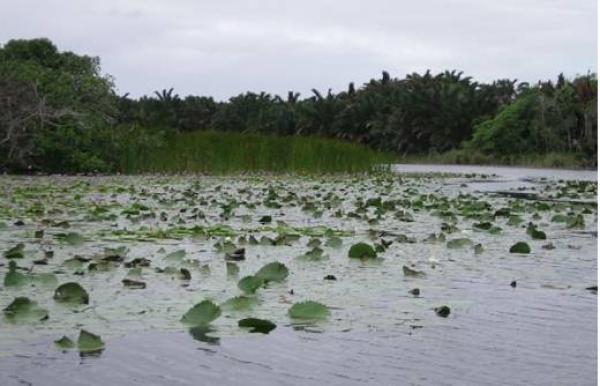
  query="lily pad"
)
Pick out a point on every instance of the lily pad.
point(520, 247)
point(89, 343)
point(64, 343)
point(71, 293)
point(16, 252)
point(71, 238)
point(24, 309)
point(275, 271)
point(14, 278)
point(459, 243)
point(308, 310)
point(257, 325)
point(202, 314)
point(250, 284)
point(362, 251)
point(239, 303)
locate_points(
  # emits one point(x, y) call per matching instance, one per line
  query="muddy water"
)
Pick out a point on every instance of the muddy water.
point(542, 332)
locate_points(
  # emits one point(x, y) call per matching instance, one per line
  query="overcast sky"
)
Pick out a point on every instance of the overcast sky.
point(225, 47)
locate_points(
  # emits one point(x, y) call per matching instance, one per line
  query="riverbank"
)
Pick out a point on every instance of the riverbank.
point(574, 161)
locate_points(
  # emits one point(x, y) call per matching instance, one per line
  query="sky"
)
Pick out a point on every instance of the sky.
point(225, 47)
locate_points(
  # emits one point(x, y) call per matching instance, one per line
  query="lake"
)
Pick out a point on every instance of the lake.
point(452, 232)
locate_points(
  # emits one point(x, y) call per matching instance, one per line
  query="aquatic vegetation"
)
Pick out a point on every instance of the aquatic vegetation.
point(257, 245)
point(309, 310)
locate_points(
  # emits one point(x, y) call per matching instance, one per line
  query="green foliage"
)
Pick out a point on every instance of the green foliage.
point(308, 310)
point(520, 247)
point(72, 293)
point(201, 314)
point(362, 251)
point(59, 113)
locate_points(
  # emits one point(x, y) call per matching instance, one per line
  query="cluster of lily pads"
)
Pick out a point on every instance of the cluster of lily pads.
point(151, 247)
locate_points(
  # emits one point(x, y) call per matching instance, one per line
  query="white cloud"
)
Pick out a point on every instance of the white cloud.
point(222, 48)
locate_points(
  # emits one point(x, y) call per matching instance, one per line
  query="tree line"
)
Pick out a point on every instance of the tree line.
point(58, 112)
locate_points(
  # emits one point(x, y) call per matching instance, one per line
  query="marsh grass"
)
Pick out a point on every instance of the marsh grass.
point(222, 153)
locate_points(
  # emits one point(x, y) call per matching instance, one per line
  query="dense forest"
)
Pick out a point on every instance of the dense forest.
point(59, 113)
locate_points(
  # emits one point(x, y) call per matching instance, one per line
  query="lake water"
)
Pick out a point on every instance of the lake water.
point(541, 332)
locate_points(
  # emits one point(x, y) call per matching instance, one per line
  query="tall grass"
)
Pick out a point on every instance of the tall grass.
point(221, 153)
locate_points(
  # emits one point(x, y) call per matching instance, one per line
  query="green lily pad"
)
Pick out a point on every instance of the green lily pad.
point(239, 303)
point(333, 242)
point(24, 309)
point(275, 271)
point(250, 284)
point(71, 238)
point(362, 251)
point(520, 247)
point(308, 310)
point(71, 293)
point(14, 278)
point(16, 252)
point(89, 343)
point(202, 314)
point(459, 243)
point(64, 343)
point(257, 325)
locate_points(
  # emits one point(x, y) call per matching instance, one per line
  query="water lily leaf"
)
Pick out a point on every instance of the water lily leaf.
point(520, 247)
point(459, 243)
point(89, 344)
point(333, 242)
point(411, 272)
point(202, 314)
point(239, 303)
point(200, 333)
point(362, 251)
point(250, 284)
point(275, 271)
point(24, 309)
point(257, 325)
point(64, 343)
point(576, 221)
point(71, 238)
point(16, 252)
point(232, 269)
point(314, 254)
point(71, 293)
point(442, 311)
point(14, 278)
point(308, 310)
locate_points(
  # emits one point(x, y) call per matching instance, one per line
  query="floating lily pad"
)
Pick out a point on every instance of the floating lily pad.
point(64, 343)
point(201, 314)
point(239, 303)
point(459, 243)
point(362, 251)
point(275, 271)
point(257, 325)
point(308, 310)
point(89, 344)
point(14, 278)
point(71, 293)
point(250, 284)
point(16, 252)
point(520, 247)
point(23, 309)
point(71, 238)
